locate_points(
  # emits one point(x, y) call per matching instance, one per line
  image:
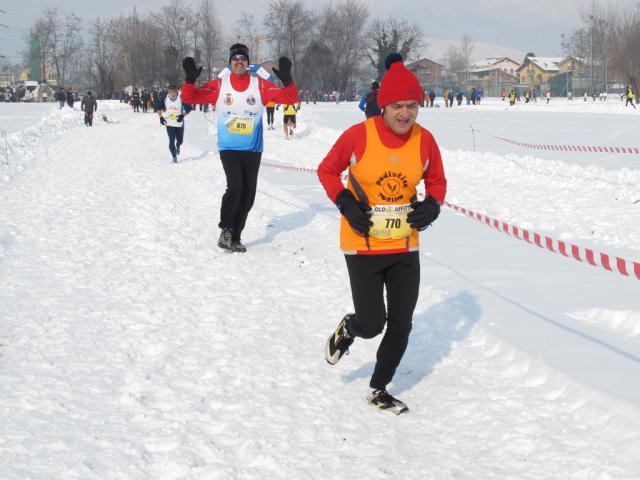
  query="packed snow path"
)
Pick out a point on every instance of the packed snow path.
point(133, 347)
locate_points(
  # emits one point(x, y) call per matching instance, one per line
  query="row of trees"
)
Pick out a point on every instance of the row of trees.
point(329, 47)
point(610, 36)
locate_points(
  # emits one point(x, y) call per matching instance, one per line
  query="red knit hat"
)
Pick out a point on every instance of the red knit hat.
point(398, 84)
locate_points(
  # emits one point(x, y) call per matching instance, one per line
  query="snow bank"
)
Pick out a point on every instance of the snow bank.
point(20, 145)
point(626, 322)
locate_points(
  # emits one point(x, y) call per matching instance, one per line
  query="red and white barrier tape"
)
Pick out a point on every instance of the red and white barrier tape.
point(566, 148)
point(624, 267)
point(289, 167)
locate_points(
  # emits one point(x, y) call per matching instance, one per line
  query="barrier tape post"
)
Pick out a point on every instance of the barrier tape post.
point(3, 137)
point(610, 263)
point(473, 134)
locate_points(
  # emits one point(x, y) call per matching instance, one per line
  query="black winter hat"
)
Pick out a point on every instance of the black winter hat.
point(375, 85)
point(238, 49)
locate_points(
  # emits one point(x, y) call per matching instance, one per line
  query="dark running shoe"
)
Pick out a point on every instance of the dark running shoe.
point(238, 247)
point(339, 342)
point(175, 159)
point(385, 401)
point(225, 239)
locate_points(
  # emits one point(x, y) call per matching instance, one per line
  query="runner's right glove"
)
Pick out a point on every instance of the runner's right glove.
point(191, 72)
point(357, 213)
point(424, 213)
point(163, 121)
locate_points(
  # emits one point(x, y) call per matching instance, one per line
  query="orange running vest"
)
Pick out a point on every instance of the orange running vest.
point(383, 177)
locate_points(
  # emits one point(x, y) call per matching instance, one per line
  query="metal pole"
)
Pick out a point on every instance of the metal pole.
point(591, 75)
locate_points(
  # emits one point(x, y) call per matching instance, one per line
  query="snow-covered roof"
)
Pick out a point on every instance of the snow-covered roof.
point(490, 61)
point(550, 64)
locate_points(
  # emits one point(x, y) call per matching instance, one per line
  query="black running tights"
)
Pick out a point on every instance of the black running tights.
point(369, 275)
point(241, 169)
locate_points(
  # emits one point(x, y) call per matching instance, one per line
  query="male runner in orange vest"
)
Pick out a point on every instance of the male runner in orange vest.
point(387, 157)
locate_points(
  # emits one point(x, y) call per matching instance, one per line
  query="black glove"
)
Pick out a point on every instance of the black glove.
point(191, 72)
point(424, 213)
point(358, 214)
point(163, 121)
point(180, 118)
point(283, 72)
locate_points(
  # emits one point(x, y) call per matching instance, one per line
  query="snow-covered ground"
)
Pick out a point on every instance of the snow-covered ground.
point(132, 347)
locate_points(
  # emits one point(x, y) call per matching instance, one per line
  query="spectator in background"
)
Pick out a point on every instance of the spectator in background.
point(60, 97)
point(70, 98)
point(369, 102)
point(88, 106)
point(630, 97)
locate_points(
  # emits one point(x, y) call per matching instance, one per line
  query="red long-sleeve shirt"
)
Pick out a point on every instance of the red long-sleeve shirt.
point(353, 142)
point(269, 92)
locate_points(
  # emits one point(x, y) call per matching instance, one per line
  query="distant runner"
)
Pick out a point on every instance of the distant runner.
point(172, 113)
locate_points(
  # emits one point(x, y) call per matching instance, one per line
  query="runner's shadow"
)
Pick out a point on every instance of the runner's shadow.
point(197, 157)
point(289, 222)
point(434, 332)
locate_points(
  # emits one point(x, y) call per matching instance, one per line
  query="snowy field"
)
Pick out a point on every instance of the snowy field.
point(132, 347)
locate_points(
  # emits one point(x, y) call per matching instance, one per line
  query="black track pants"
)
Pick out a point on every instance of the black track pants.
point(241, 169)
point(369, 274)
point(176, 136)
point(270, 111)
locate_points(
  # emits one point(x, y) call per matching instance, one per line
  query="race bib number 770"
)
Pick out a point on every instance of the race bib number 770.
point(390, 221)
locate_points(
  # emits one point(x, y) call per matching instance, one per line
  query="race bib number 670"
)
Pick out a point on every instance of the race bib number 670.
point(390, 221)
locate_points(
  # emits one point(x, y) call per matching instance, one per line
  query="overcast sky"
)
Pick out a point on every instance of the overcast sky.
point(498, 27)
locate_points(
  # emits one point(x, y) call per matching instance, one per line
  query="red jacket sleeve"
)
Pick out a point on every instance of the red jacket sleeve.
point(270, 92)
point(435, 183)
point(207, 93)
point(337, 160)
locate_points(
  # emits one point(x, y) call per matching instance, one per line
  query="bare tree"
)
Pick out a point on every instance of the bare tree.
point(60, 37)
point(141, 64)
point(454, 59)
point(101, 56)
point(290, 26)
point(211, 35)
point(624, 49)
point(466, 51)
point(611, 37)
point(246, 33)
point(341, 30)
point(393, 35)
point(180, 27)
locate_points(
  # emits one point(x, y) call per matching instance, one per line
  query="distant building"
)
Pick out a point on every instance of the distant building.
point(573, 64)
point(48, 74)
point(537, 71)
point(505, 64)
point(429, 73)
point(493, 75)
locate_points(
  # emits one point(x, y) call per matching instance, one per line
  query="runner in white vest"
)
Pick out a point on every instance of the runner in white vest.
point(239, 99)
point(172, 112)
